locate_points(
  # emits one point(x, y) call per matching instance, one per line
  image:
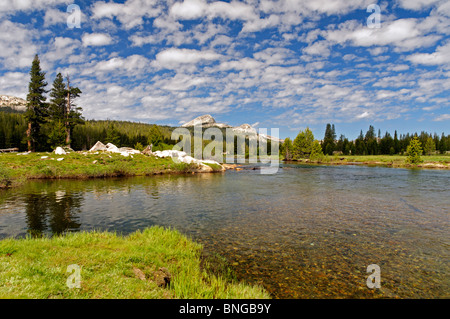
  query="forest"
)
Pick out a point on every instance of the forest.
point(370, 143)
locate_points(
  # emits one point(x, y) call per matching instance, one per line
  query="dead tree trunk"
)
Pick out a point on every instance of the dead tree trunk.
point(30, 147)
point(67, 112)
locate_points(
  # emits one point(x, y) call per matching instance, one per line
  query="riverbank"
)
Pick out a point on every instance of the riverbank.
point(398, 161)
point(16, 169)
point(154, 263)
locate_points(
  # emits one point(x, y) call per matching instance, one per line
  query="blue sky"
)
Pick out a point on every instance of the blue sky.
point(287, 64)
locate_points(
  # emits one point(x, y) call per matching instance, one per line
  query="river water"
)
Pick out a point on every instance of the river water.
point(305, 232)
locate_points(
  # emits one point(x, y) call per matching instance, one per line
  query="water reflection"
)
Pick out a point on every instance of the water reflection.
point(52, 213)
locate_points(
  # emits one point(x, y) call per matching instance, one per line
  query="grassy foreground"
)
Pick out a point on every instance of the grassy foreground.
point(433, 161)
point(113, 266)
point(16, 169)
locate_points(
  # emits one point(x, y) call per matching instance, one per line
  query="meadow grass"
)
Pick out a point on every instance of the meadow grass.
point(16, 169)
point(36, 268)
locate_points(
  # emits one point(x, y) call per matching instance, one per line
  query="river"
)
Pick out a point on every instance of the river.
point(306, 232)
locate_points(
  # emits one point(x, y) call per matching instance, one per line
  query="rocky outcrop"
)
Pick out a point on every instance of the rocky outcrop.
point(16, 103)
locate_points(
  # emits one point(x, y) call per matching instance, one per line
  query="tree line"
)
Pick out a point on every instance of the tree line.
point(370, 143)
point(13, 128)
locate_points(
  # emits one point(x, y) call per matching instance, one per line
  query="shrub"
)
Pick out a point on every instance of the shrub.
point(5, 177)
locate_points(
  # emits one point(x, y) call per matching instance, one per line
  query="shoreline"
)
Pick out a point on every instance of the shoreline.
point(16, 170)
point(386, 161)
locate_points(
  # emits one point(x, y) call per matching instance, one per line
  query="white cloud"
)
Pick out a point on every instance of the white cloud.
point(17, 46)
point(11, 6)
point(131, 66)
point(440, 57)
point(442, 117)
point(173, 57)
point(130, 14)
point(62, 48)
point(403, 34)
point(96, 39)
point(197, 9)
point(14, 84)
point(318, 48)
point(418, 4)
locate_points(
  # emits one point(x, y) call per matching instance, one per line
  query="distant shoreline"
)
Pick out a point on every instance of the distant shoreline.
point(395, 161)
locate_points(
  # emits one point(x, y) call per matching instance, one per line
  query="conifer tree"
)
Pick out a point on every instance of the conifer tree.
point(329, 145)
point(58, 101)
point(414, 150)
point(37, 108)
point(63, 108)
point(302, 145)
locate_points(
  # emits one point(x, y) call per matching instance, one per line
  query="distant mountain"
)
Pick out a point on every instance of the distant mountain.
point(205, 121)
point(14, 103)
point(208, 121)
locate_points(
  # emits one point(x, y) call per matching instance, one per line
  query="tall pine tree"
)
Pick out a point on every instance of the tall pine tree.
point(37, 108)
point(328, 145)
point(63, 108)
point(58, 98)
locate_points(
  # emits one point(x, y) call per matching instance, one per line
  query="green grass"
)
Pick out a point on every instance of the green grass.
point(16, 169)
point(36, 267)
point(433, 161)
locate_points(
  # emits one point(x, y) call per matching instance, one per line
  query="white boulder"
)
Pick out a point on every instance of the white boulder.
point(184, 158)
point(99, 146)
point(60, 151)
point(112, 148)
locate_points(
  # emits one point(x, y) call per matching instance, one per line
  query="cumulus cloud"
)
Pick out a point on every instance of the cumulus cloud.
point(18, 47)
point(178, 58)
point(174, 57)
point(418, 4)
point(96, 39)
point(440, 57)
point(131, 14)
point(442, 117)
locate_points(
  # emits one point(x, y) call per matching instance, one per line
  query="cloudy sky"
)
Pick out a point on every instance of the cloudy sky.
point(272, 63)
